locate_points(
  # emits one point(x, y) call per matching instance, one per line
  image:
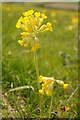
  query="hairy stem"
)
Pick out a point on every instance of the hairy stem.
point(36, 67)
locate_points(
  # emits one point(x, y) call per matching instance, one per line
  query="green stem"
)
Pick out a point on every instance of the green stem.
point(36, 67)
point(37, 72)
point(50, 107)
point(41, 106)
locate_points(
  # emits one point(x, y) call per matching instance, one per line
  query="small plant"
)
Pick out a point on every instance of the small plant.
point(31, 24)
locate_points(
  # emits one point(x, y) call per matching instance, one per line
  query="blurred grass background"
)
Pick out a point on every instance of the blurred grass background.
point(57, 57)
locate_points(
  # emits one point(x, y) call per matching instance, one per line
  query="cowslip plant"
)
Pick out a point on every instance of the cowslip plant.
point(47, 88)
point(31, 24)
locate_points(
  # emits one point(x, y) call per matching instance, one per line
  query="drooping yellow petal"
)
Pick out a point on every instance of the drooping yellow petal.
point(37, 14)
point(26, 44)
point(18, 25)
point(44, 86)
point(41, 92)
point(20, 42)
point(48, 92)
point(28, 29)
point(35, 46)
point(40, 79)
point(43, 16)
point(49, 81)
point(49, 26)
point(24, 35)
point(65, 86)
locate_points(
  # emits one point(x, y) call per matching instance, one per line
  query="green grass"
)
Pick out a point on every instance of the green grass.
point(57, 57)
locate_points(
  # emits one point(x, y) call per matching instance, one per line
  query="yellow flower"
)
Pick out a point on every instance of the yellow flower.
point(43, 16)
point(49, 26)
point(49, 81)
point(18, 25)
point(48, 92)
point(44, 86)
point(35, 46)
point(37, 14)
point(75, 20)
point(41, 92)
point(28, 13)
point(65, 86)
point(20, 42)
point(24, 35)
point(28, 29)
point(26, 44)
point(40, 79)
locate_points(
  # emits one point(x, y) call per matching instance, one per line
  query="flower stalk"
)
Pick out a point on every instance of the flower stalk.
point(36, 67)
point(50, 109)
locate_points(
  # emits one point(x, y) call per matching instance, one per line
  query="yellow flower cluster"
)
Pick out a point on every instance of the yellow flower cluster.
point(47, 85)
point(31, 23)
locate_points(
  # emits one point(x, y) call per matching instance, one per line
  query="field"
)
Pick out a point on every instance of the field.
point(57, 57)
